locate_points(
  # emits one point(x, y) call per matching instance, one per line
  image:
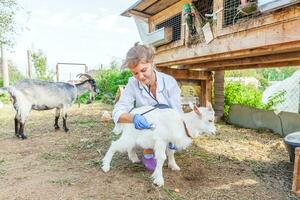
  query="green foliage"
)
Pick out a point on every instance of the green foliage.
point(237, 93)
point(277, 74)
point(7, 21)
point(14, 73)
point(263, 75)
point(83, 99)
point(108, 82)
point(5, 98)
point(40, 65)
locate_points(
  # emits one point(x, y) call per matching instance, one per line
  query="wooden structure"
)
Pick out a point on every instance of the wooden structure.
point(229, 39)
point(296, 175)
point(59, 64)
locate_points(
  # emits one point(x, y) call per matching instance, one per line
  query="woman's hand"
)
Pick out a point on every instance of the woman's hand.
point(140, 122)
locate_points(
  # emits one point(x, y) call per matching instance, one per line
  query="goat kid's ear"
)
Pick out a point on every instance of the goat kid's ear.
point(191, 105)
point(197, 111)
point(209, 106)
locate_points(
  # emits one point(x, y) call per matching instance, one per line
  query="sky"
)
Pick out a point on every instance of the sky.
point(79, 31)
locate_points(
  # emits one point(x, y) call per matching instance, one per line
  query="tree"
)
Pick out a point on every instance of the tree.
point(40, 66)
point(7, 29)
point(8, 10)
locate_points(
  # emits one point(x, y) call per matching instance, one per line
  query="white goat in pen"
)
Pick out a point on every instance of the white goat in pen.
point(170, 126)
point(32, 94)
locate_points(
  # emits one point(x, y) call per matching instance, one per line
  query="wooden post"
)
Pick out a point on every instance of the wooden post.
point(296, 174)
point(4, 68)
point(29, 64)
point(219, 94)
point(57, 73)
point(203, 85)
point(206, 90)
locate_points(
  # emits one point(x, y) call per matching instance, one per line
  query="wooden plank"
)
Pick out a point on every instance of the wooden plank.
point(144, 4)
point(218, 6)
point(183, 74)
point(219, 93)
point(160, 5)
point(283, 57)
point(296, 173)
point(283, 36)
point(167, 13)
point(264, 50)
point(138, 13)
point(282, 15)
point(264, 65)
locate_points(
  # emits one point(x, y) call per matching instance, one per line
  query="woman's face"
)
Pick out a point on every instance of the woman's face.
point(143, 72)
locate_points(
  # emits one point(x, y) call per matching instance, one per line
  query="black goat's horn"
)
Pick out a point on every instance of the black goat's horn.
point(85, 75)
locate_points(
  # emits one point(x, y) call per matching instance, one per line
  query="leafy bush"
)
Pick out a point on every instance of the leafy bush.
point(83, 99)
point(237, 93)
point(14, 75)
point(108, 82)
point(5, 98)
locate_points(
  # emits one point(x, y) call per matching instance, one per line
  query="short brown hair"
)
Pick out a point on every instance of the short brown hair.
point(138, 54)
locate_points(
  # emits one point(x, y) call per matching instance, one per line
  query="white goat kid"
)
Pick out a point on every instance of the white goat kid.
point(170, 126)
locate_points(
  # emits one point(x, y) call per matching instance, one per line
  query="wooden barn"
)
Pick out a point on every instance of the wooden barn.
point(196, 40)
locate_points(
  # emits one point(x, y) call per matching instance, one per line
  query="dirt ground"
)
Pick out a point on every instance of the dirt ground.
point(235, 164)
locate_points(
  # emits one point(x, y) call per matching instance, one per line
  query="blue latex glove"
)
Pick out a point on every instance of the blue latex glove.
point(140, 122)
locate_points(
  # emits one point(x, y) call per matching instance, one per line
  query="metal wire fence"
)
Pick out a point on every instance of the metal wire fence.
point(275, 89)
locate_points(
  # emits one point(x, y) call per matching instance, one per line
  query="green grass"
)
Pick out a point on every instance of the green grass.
point(55, 156)
point(64, 181)
point(2, 167)
point(171, 194)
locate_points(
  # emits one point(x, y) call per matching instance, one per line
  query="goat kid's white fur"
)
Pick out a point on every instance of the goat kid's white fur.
point(169, 128)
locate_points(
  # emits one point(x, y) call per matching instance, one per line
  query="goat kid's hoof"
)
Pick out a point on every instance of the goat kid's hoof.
point(174, 167)
point(158, 181)
point(105, 168)
point(56, 128)
point(66, 130)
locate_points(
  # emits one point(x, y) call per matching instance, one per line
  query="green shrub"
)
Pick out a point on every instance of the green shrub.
point(83, 99)
point(108, 82)
point(5, 98)
point(237, 93)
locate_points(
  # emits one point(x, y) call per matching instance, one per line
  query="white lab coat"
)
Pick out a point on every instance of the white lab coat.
point(134, 94)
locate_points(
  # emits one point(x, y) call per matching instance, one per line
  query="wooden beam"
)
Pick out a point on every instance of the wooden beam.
point(161, 5)
point(184, 74)
point(145, 4)
point(258, 51)
point(265, 59)
point(264, 65)
point(139, 13)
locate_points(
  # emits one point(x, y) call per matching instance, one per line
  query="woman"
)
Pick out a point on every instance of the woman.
point(146, 87)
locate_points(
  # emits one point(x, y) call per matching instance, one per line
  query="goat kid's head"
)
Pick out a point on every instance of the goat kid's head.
point(204, 120)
